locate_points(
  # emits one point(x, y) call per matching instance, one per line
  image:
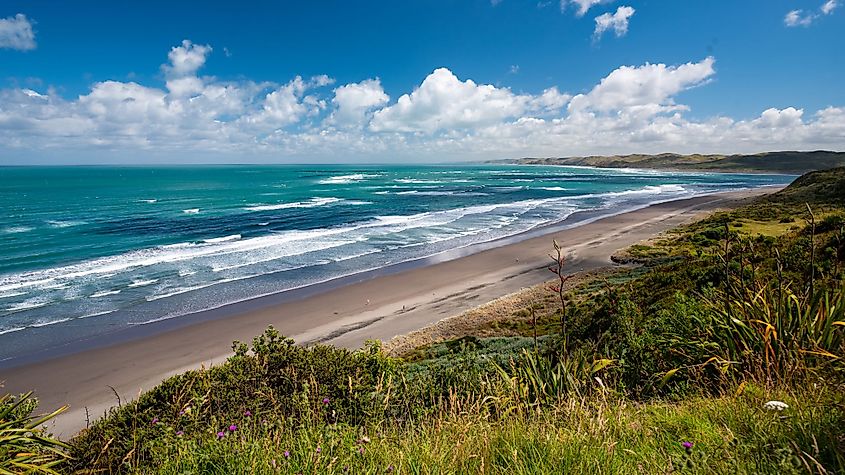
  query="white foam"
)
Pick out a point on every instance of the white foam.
point(47, 323)
point(191, 211)
point(104, 293)
point(233, 237)
point(553, 188)
point(426, 193)
point(12, 330)
point(17, 229)
point(177, 291)
point(149, 201)
point(65, 224)
point(95, 314)
point(27, 305)
point(416, 181)
point(142, 283)
point(345, 179)
point(313, 202)
point(11, 294)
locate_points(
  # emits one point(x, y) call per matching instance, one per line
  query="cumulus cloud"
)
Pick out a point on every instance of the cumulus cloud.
point(633, 109)
point(443, 101)
point(618, 22)
point(353, 102)
point(16, 33)
point(650, 87)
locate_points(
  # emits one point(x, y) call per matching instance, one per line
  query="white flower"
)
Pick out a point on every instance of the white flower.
point(775, 406)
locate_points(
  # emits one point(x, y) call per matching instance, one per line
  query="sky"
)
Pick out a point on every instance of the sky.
point(89, 82)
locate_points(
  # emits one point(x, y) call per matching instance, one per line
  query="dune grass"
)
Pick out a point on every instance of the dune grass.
point(731, 434)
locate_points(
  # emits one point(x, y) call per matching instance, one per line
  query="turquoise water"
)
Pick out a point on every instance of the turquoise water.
point(87, 250)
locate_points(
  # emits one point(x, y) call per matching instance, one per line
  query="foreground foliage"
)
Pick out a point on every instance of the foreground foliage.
point(24, 446)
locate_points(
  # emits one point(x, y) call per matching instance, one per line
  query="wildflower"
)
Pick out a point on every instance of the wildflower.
point(233, 428)
point(287, 454)
point(220, 435)
point(389, 468)
point(182, 412)
point(273, 463)
point(687, 445)
point(325, 400)
point(319, 449)
point(180, 433)
point(775, 406)
point(361, 450)
point(154, 421)
point(365, 439)
point(247, 413)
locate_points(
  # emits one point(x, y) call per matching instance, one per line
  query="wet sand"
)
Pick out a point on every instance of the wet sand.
point(376, 307)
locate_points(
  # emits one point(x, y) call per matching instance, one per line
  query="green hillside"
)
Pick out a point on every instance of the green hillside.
point(771, 162)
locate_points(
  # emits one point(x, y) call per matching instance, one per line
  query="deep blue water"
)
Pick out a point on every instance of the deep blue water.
point(86, 250)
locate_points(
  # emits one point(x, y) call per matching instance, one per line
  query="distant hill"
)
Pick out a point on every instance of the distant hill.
point(770, 162)
point(824, 186)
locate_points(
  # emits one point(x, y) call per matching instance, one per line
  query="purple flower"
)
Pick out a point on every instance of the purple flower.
point(233, 428)
point(325, 400)
point(182, 412)
point(319, 450)
point(687, 445)
point(220, 435)
point(247, 413)
point(389, 468)
point(361, 450)
point(287, 454)
point(180, 433)
point(154, 421)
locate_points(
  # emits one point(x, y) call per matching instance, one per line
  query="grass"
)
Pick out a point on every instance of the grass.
point(25, 447)
point(730, 434)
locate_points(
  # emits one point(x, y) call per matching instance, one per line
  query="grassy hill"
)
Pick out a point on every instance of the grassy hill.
point(770, 162)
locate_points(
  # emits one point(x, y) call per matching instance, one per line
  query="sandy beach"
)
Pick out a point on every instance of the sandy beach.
point(373, 307)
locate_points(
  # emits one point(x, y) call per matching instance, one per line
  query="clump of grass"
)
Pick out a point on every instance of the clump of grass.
point(774, 335)
point(25, 446)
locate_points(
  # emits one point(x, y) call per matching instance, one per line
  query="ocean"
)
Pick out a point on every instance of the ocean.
point(86, 251)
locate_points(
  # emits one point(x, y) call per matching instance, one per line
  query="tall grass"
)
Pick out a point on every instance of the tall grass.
point(775, 336)
point(25, 446)
point(728, 435)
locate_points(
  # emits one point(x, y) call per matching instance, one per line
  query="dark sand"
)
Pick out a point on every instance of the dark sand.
point(381, 308)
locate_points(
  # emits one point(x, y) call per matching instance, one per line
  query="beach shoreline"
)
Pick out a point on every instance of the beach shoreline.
point(347, 313)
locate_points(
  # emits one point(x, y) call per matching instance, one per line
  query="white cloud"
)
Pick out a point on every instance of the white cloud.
point(186, 59)
point(581, 6)
point(354, 101)
point(16, 33)
point(443, 101)
point(800, 18)
point(829, 6)
point(634, 109)
point(618, 22)
point(650, 87)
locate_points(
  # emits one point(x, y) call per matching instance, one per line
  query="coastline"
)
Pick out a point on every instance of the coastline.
point(345, 314)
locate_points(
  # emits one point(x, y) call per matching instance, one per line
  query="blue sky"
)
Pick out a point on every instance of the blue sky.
point(745, 58)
